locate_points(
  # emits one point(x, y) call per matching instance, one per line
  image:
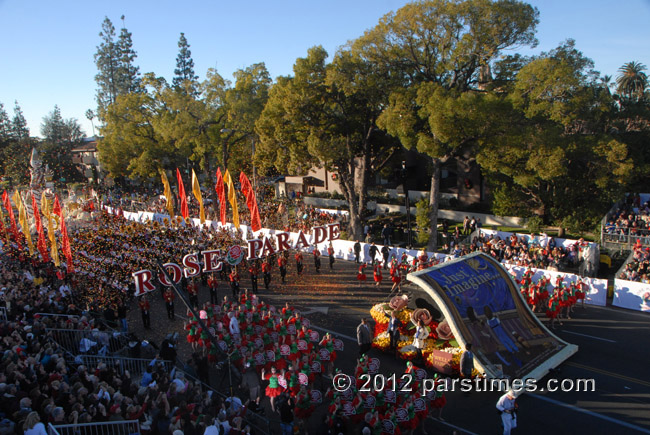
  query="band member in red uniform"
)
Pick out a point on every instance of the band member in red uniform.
point(193, 293)
point(234, 283)
point(316, 254)
point(330, 252)
point(169, 302)
point(144, 309)
point(213, 284)
point(282, 264)
point(266, 271)
point(254, 270)
point(299, 264)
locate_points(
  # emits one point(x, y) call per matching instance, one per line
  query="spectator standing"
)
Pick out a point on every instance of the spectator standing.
point(372, 251)
point(286, 414)
point(385, 253)
point(364, 336)
point(357, 251)
point(385, 234)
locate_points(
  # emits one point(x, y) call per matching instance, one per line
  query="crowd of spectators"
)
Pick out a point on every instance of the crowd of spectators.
point(638, 268)
point(41, 382)
point(631, 218)
point(538, 251)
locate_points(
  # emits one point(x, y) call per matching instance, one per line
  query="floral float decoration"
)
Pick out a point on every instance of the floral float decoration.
point(439, 346)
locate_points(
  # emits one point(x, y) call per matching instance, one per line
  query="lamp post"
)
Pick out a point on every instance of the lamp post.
point(408, 206)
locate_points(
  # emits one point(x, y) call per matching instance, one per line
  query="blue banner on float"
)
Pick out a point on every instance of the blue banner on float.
point(484, 307)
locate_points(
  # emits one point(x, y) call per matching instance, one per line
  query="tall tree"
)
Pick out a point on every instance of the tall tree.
point(107, 59)
point(60, 137)
point(440, 45)
point(632, 81)
point(129, 73)
point(550, 147)
point(19, 124)
point(5, 125)
point(184, 76)
point(116, 71)
point(326, 116)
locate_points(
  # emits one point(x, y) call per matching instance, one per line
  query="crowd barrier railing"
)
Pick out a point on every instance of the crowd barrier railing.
point(257, 422)
point(127, 427)
point(84, 341)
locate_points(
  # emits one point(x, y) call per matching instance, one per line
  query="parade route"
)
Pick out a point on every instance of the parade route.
point(610, 341)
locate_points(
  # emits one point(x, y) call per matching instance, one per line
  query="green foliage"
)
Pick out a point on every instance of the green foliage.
point(422, 220)
point(632, 81)
point(116, 72)
point(534, 224)
point(60, 137)
point(184, 75)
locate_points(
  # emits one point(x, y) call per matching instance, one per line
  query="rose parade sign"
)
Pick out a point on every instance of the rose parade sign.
point(482, 305)
point(209, 261)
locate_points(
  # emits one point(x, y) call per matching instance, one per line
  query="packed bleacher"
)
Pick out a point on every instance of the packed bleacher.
point(538, 251)
point(631, 218)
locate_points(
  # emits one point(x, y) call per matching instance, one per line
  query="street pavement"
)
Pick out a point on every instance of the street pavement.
point(614, 350)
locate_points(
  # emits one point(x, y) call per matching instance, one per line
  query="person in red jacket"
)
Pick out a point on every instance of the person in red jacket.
point(169, 303)
point(234, 283)
point(330, 252)
point(144, 310)
point(316, 254)
point(266, 271)
point(254, 270)
point(299, 260)
point(282, 264)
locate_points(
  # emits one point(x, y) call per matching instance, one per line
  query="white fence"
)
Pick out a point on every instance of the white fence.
point(632, 295)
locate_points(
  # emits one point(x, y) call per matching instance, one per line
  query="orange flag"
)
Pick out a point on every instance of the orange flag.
point(185, 211)
point(251, 201)
point(56, 208)
point(12, 218)
point(221, 193)
point(41, 245)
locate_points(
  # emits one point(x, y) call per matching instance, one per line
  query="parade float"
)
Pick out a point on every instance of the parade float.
point(474, 300)
point(441, 352)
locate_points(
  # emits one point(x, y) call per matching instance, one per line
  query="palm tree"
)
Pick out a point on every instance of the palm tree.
point(632, 81)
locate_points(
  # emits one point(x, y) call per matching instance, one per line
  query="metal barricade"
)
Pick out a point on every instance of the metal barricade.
point(135, 366)
point(89, 341)
point(127, 427)
point(257, 422)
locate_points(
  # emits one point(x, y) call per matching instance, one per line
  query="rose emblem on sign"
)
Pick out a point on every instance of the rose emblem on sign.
point(235, 255)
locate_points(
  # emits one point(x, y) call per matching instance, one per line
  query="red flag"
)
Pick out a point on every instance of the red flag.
point(12, 218)
point(65, 245)
point(185, 211)
point(56, 208)
point(41, 245)
point(251, 201)
point(221, 193)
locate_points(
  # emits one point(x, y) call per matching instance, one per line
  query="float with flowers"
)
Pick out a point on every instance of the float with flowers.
point(441, 351)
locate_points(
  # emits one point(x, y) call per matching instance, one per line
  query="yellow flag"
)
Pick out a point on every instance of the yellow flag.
point(168, 194)
point(45, 206)
point(196, 190)
point(24, 223)
point(232, 198)
point(54, 250)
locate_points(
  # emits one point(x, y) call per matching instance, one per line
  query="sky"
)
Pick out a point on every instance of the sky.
point(48, 46)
